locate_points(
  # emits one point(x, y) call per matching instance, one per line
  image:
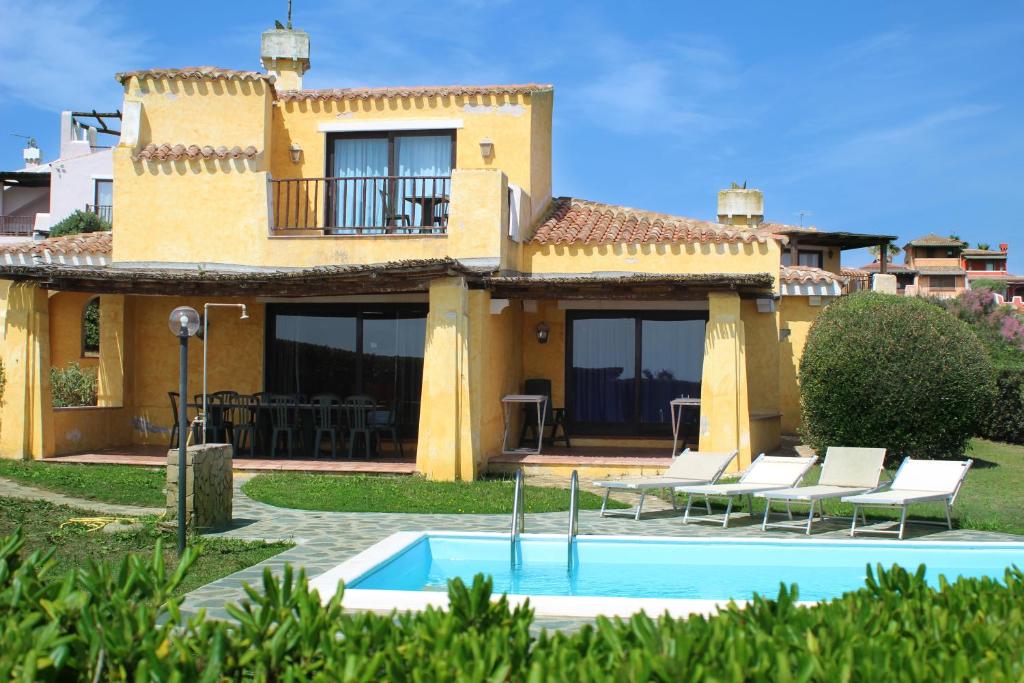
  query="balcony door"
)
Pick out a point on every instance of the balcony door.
point(390, 182)
point(623, 368)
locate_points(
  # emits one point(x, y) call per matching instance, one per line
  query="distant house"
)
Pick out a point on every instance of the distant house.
point(41, 194)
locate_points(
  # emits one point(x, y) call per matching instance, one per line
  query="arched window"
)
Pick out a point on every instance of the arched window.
point(91, 327)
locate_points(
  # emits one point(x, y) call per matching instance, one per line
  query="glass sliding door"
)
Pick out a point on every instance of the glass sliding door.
point(348, 349)
point(424, 164)
point(603, 371)
point(623, 368)
point(361, 164)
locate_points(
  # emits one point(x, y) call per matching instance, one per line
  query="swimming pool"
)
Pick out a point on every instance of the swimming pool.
point(622, 574)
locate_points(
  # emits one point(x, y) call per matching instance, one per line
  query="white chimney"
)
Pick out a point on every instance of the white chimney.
point(740, 206)
point(32, 155)
point(284, 53)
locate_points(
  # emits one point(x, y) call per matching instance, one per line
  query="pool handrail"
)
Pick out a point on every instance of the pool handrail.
point(574, 511)
point(518, 514)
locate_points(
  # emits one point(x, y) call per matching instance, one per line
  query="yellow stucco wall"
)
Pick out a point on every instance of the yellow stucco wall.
point(654, 258)
point(25, 353)
point(235, 349)
point(762, 356)
point(66, 310)
point(90, 428)
point(796, 315)
point(219, 210)
point(545, 361)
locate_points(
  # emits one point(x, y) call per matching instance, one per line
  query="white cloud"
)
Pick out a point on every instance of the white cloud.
point(63, 55)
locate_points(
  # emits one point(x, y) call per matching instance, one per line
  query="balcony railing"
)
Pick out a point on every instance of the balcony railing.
point(104, 211)
point(372, 205)
point(17, 226)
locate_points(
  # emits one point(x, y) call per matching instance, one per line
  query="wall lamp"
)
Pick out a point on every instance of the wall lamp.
point(542, 333)
point(486, 148)
point(295, 152)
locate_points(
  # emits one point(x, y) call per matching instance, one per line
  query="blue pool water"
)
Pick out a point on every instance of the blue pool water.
point(666, 568)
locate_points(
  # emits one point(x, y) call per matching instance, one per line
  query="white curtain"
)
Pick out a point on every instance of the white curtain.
point(360, 203)
point(422, 155)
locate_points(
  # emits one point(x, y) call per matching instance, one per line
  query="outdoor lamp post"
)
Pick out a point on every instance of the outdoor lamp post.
point(206, 337)
point(184, 323)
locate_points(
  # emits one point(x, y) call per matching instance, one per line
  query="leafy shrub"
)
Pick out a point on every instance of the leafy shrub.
point(79, 222)
point(989, 284)
point(72, 386)
point(91, 326)
point(999, 327)
point(124, 624)
point(893, 372)
point(1004, 420)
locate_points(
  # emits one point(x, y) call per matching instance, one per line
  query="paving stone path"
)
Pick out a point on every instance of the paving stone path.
point(12, 489)
point(325, 539)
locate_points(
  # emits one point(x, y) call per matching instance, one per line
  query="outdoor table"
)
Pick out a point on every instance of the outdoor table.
point(676, 406)
point(540, 400)
point(429, 205)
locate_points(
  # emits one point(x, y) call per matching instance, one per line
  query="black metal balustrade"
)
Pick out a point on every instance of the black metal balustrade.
point(371, 205)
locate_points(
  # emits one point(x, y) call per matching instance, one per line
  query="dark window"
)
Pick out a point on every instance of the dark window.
point(91, 327)
point(623, 368)
point(346, 349)
point(805, 257)
point(942, 281)
point(398, 179)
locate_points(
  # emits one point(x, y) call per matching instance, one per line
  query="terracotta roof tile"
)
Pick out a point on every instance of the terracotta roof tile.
point(86, 249)
point(940, 270)
point(809, 275)
point(196, 73)
point(412, 91)
point(578, 221)
point(168, 151)
point(933, 240)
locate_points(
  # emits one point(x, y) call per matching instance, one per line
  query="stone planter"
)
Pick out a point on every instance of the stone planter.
point(208, 486)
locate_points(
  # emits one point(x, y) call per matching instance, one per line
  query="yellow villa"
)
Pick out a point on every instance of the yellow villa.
point(405, 244)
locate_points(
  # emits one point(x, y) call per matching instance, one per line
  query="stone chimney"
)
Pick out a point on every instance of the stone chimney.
point(285, 54)
point(740, 206)
point(1004, 247)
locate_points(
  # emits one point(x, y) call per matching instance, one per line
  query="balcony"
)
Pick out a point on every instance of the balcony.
point(17, 226)
point(104, 211)
point(372, 205)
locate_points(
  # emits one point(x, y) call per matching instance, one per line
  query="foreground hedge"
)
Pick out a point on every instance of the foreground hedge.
point(893, 372)
point(122, 624)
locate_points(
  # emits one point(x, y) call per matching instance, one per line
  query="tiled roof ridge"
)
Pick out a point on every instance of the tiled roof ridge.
point(809, 274)
point(412, 91)
point(571, 220)
point(167, 150)
point(196, 73)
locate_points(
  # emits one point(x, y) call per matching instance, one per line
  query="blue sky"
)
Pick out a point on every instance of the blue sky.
point(885, 117)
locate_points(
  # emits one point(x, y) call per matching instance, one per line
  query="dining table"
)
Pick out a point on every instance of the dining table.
point(428, 207)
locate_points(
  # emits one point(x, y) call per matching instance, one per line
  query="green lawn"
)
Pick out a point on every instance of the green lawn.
point(991, 499)
point(74, 545)
point(124, 484)
point(406, 494)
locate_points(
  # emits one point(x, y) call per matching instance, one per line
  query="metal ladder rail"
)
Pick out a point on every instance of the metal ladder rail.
point(574, 513)
point(518, 515)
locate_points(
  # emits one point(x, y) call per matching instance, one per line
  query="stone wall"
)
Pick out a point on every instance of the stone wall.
point(208, 486)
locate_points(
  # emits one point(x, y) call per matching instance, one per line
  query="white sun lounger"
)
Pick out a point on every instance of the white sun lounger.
point(689, 467)
point(766, 473)
point(916, 481)
point(846, 471)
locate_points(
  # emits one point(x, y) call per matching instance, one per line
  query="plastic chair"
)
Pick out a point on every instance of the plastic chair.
point(175, 427)
point(389, 425)
point(282, 420)
point(241, 415)
point(326, 420)
point(357, 412)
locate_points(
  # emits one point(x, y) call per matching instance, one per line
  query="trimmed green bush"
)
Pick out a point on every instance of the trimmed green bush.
point(79, 222)
point(1004, 420)
point(894, 372)
point(989, 284)
point(123, 623)
point(72, 386)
